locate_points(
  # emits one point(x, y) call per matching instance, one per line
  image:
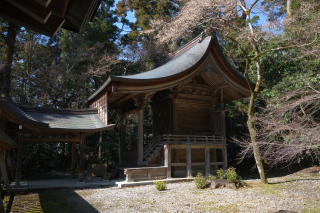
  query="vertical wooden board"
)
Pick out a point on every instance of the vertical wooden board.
point(154, 123)
point(207, 158)
point(198, 155)
point(175, 118)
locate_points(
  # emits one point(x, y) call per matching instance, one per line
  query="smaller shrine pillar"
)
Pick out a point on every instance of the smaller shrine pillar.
point(81, 158)
point(140, 137)
point(122, 137)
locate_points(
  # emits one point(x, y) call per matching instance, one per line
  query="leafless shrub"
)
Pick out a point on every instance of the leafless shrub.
point(288, 129)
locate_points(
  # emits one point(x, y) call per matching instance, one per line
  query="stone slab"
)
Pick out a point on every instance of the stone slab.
point(122, 184)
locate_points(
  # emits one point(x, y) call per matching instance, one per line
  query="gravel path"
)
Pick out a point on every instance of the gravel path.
point(298, 192)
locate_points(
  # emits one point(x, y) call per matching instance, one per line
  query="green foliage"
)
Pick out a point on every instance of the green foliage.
point(221, 174)
point(212, 177)
point(160, 185)
point(232, 175)
point(200, 181)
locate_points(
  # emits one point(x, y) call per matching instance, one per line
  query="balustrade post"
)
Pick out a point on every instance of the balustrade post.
point(189, 170)
point(168, 160)
point(207, 160)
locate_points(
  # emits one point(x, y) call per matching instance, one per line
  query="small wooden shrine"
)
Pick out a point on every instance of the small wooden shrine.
point(48, 16)
point(187, 92)
point(45, 125)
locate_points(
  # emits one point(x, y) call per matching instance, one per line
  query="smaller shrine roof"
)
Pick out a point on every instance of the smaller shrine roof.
point(52, 119)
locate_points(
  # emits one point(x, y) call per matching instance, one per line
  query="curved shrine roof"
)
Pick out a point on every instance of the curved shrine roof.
point(176, 66)
point(181, 63)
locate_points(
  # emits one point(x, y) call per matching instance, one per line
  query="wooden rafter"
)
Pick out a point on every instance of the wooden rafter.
point(12, 13)
point(33, 9)
point(44, 3)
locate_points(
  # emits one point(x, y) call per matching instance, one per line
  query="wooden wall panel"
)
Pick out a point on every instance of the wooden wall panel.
point(102, 105)
point(162, 119)
point(192, 119)
point(217, 124)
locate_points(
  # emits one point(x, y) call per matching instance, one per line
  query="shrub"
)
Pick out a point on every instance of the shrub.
point(160, 185)
point(212, 177)
point(200, 181)
point(221, 174)
point(232, 175)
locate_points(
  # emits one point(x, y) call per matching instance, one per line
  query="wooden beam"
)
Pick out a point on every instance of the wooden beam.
point(81, 158)
point(189, 171)
point(207, 160)
point(178, 164)
point(124, 98)
point(4, 172)
point(53, 140)
point(44, 3)
point(19, 160)
point(33, 9)
point(140, 137)
point(15, 15)
point(73, 159)
point(59, 7)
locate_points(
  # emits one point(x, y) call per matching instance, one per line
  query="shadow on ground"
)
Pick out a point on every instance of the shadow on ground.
point(62, 201)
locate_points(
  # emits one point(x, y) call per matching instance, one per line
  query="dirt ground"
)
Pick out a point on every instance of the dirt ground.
point(298, 191)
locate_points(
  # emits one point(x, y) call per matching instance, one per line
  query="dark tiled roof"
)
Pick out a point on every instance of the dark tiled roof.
point(175, 66)
point(61, 119)
point(69, 121)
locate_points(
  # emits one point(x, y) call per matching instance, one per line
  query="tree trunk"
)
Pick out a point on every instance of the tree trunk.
point(288, 9)
point(255, 146)
point(5, 72)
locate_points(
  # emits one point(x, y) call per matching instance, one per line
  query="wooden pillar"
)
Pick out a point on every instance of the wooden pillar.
point(4, 172)
point(224, 135)
point(224, 157)
point(189, 171)
point(100, 140)
point(214, 157)
point(122, 137)
point(140, 137)
point(207, 160)
point(128, 176)
point(81, 157)
point(167, 150)
point(73, 158)
point(19, 159)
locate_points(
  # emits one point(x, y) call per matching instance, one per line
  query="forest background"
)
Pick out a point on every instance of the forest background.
point(63, 71)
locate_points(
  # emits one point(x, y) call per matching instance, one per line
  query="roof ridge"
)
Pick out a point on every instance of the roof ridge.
point(198, 39)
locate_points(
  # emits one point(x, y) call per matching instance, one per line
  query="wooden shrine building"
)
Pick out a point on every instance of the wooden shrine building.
point(46, 125)
point(187, 92)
